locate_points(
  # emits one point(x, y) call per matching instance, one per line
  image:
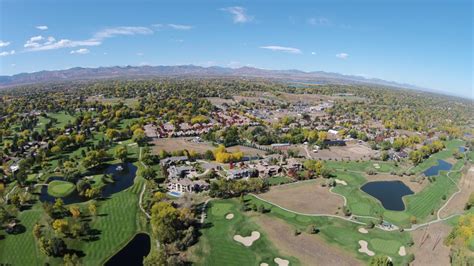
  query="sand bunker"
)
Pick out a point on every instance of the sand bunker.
point(248, 240)
point(342, 182)
point(281, 262)
point(229, 216)
point(263, 264)
point(377, 166)
point(364, 249)
point(362, 230)
point(402, 252)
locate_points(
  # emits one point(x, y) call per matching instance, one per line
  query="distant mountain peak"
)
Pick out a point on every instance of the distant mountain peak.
point(291, 75)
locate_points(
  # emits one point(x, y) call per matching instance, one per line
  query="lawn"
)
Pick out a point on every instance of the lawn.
point(362, 166)
point(278, 180)
point(60, 189)
point(344, 234)
point(21, 249)
point(217, 247)
point(62, 118)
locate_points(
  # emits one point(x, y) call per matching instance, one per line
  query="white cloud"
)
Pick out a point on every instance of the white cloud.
point(140, 54)
point(117, 31)
point(52, 44)
point(319, 21)
point(238, 13)
point(39, 43)
point(313, 53)
point(342, 55)
point(80, 51)
point(180, 27)
point(290, 50)
point(5, 53)
point(42, 27)
point(4, 44)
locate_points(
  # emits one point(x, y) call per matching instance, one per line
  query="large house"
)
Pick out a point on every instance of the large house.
point(173, 160)
point(179, 171)
point(183, 185)
point(240, 173)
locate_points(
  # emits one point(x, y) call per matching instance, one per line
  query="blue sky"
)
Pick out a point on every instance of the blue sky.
point(425, 43)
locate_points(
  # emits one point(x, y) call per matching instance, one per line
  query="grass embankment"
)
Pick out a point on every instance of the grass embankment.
point(60, 188)
point(344, 234)
point(217, 246)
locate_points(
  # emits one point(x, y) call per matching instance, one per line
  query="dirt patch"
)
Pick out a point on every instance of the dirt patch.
point(247, 240)
point(429, 248)
point(308, 197)
point(362, 230)
point(246, 150)
point(307, 248)
point(365, 249)
point(414, 186)
point(175, 144)
point(281, 262)
point(229, 216)
point(351, 151)
point(458, 202)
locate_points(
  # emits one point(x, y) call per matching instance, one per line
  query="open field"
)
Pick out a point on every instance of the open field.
point(248, 151)
point(349, 152)
point(306, 197)
point(429, 248)
point(62, 118)
point(309, 249)
point(175, 144)
point(217, 246)
point(341, 233)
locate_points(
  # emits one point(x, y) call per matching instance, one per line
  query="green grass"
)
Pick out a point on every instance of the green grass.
point(362, 166)
point(451, 147)
point(277, 180)
point(420, 205)
point(217, 247)
point(62, 118)
point(359, 202)
point(21, 249)
point(118, 220)
point(60, 189)
point(344, 234)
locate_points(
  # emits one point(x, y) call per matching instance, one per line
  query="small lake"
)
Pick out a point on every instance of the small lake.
point(389, 193)
point(123, 179)
point(441, 166)
point(462, 149)
point(133, 252)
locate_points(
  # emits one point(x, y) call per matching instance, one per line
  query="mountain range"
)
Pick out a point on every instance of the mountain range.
point(80, 73)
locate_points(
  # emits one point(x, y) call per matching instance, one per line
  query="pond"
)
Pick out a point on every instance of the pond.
point(389, 193)
point(441, 166)
point(462, 149)
point(133, 252)
point(123, 179)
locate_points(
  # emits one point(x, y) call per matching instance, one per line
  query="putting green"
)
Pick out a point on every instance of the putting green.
point(385, 246)
point(60, 189)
